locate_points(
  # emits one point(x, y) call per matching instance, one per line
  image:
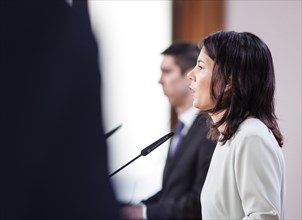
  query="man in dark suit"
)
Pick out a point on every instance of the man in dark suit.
point(53, 157)
point(190, 151)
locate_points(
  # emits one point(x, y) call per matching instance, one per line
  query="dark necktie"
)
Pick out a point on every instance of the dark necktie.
point(176, 138)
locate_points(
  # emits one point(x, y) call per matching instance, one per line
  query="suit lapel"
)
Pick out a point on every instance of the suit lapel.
point(171, 161)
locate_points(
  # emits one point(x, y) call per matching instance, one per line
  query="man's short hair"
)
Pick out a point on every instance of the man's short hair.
point(185, 54)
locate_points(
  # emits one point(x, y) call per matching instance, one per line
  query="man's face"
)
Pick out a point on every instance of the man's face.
point(175, 85)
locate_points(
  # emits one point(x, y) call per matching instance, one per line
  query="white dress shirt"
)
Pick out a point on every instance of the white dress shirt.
point(187, 118)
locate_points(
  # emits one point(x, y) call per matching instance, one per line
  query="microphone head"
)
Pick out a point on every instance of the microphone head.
point(155, 144)
point(147, 150)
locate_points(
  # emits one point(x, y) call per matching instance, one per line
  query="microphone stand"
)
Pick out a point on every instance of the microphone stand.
point(146, 150)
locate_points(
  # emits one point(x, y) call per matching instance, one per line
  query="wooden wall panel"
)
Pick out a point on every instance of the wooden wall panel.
point(193, 20)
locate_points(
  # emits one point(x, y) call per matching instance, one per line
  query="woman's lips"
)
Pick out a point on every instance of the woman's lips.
point(192, 90)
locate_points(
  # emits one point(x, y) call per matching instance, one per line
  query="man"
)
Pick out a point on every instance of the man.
point(190, 151)
point(53, 162)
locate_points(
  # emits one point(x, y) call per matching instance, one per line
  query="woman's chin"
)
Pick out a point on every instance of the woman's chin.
point(197, 105)
point(200, 106)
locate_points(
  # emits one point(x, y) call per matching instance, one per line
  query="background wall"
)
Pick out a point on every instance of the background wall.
point(132, 34)
point(279, 24)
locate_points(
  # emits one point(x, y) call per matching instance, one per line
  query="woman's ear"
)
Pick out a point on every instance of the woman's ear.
point(227, 90)
point(228, 85)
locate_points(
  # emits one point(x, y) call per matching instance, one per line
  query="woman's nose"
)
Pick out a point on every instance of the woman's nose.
point(190, 75)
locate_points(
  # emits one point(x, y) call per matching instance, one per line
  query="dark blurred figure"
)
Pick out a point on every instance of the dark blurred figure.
point(53, 157)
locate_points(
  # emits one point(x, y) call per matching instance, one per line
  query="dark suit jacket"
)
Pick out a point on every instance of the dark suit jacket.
point(53, 162)
point(184, 176)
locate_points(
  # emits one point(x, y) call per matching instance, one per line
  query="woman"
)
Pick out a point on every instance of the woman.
point(234, 82)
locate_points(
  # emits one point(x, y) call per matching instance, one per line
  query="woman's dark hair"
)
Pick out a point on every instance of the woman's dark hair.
point(243, 82)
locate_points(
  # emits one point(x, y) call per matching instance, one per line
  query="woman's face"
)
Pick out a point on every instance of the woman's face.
point(200, 78)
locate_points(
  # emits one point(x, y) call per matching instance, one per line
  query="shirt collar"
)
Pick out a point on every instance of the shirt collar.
point(188, 118)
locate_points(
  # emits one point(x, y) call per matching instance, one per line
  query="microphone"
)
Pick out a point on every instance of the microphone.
point(108, 134)
point(147, 150)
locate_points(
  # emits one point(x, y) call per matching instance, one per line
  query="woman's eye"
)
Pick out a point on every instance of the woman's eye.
point(200, 67)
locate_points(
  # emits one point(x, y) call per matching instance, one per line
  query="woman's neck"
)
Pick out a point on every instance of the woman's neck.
point(216, 117)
